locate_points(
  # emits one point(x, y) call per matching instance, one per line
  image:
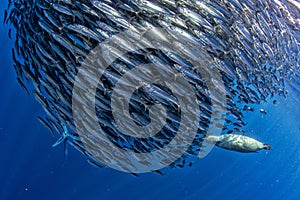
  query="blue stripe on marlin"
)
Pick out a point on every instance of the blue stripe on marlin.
point(254, 44)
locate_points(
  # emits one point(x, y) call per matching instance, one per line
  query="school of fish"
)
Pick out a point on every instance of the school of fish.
point(255, 45)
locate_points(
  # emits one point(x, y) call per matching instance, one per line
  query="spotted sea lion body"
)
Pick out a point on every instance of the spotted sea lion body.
point(238, 143)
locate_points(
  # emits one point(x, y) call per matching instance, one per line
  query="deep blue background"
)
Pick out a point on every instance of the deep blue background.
point(31, 169)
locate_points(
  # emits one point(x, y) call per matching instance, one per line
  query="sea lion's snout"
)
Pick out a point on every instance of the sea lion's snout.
point(267, 147)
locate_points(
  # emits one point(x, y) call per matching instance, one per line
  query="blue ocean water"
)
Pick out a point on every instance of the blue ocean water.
point(31, 169)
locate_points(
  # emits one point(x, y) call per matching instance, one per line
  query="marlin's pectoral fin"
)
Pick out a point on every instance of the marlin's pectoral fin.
point(60, 140)
point(66, 149)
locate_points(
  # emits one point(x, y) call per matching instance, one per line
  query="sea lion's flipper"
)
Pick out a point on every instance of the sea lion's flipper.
point(267, 147)
point(218, 143)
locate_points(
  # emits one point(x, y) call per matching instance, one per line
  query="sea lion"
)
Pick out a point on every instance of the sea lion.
point(239, 143)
